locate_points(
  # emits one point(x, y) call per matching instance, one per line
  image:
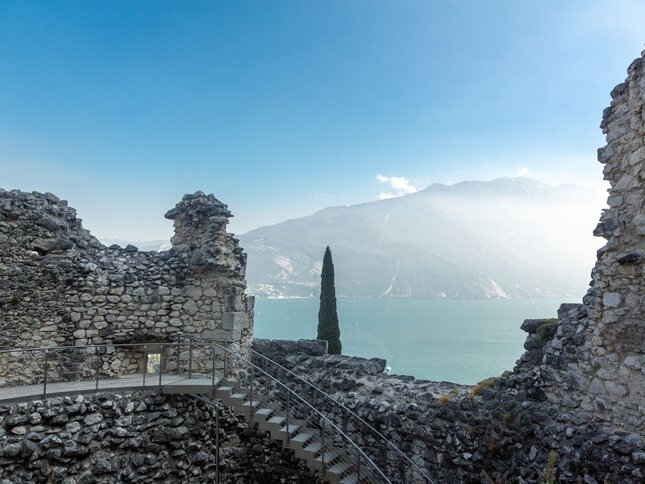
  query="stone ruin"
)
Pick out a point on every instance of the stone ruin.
point(60, 286)
point(596, 357)
point(573, 407)
point(613, 363)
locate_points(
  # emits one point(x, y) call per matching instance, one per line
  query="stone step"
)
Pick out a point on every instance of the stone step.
point(274, 423)
point(224, 391)
point(302, 439)
point(244, 408)
point(331, 455)
point(350, 479)
point(291, 428)
point(309, 451)
point(262, 414)
point(338, 470)
point(237, 397)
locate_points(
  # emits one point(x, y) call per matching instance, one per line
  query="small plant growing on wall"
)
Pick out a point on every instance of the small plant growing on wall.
point(548, 474)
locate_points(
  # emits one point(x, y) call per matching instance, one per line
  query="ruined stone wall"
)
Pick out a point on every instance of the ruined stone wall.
point(614, 370)
point(502, 430)
point(594, 357)
point(139, 437)
point(60, 286)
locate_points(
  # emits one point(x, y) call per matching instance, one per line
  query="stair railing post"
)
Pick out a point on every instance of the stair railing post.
point(98, 370)
point(160, 366)
point(190, 357)
point(217, 443)
point(46, 367)
point(266, 377)
point(213, 375)
point(358, 468)
point(178, 354)
point(251, 397)
point(288, 404)
point(145, 365)
point(385, 458)
point(225, 357)
point(322, 455)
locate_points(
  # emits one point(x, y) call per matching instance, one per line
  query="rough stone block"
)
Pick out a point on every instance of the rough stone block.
point(235, 320)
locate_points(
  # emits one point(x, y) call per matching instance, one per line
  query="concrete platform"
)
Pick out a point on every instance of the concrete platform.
point(170, 384)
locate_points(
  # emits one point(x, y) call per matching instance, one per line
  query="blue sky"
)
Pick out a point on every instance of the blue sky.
point(282, 108)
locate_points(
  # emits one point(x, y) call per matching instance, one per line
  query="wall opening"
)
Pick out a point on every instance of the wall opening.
point(153, 360)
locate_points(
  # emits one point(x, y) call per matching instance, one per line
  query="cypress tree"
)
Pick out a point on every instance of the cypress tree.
point(327, 316)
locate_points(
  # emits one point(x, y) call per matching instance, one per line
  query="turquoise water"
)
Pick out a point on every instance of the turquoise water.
point(463, 341)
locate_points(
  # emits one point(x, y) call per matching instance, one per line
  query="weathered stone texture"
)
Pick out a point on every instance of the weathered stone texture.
point(614, 352)
point(60, 286)
point(139, 437)
point(501, 430)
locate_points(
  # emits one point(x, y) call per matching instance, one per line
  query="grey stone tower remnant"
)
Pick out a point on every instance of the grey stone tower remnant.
point(60, 286)
point(595, 360)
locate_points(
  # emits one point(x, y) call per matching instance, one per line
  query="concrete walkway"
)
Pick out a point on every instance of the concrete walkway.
point(170, 384)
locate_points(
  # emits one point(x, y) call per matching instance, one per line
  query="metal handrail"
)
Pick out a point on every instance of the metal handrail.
point(212, 344)
point(296, 395)
point(340, 404)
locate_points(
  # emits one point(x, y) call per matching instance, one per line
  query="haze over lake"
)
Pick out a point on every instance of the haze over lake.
point(463, 341)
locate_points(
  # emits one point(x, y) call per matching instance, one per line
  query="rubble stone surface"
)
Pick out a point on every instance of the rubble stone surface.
point(138, 437)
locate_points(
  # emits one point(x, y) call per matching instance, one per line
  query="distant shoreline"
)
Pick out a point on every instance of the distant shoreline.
point(402, 298)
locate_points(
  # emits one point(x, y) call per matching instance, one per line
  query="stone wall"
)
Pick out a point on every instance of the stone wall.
point(501, 430)
point(595, 360)
point(286, 352)
point(139, 437)
point(613, 364)
point(60, 286)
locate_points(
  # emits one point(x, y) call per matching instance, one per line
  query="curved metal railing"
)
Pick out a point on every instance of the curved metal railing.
point(299, 409)
point(48, 365)
point(92, 368)
point(397, 464)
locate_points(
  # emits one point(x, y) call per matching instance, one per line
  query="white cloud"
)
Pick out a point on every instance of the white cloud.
point(523, 171)
point(400, 186)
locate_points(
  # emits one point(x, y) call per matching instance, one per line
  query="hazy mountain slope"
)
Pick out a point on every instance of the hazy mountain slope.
point(505, 238)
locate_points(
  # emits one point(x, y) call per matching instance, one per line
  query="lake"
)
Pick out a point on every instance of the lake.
point(463, 341)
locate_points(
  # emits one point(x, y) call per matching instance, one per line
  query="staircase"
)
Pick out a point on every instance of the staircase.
point(330, 438)
point(334, 459)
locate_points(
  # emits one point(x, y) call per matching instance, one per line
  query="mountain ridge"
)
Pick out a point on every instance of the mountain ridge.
point(435, 245)
point(444, 187)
